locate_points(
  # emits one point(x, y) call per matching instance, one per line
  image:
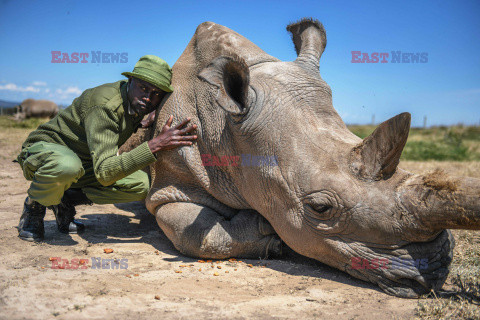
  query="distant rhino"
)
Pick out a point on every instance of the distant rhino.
point(330, 196)
point(31, 108)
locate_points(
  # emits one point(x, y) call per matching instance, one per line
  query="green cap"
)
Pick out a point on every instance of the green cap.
point(154, 70)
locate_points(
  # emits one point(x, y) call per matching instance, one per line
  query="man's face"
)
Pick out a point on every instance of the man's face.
point(144, 97)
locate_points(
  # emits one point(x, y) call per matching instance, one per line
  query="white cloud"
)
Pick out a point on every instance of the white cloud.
point(69, 91)
point(14, 87)
point(40, 90)
point(66, 95)
point(73, 90)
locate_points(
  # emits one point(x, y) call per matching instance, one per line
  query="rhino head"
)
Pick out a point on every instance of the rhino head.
point(330, 195)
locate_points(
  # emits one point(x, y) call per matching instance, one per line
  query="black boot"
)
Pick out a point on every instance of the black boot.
point(65, 211)
point(30, 227)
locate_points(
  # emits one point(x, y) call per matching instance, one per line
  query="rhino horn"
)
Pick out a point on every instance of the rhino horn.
point(310, 40)
point(377, 156)
point(231, 76)
point(439, 201)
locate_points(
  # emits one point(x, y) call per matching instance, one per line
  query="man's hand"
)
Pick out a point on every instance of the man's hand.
point(173, 137)
point(147, 122)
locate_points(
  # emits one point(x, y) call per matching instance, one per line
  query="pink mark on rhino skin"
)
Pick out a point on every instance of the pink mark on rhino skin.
point(244, 160)
point(224, 161)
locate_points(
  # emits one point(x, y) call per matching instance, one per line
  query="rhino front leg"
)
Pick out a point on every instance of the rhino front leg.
point(201, 232)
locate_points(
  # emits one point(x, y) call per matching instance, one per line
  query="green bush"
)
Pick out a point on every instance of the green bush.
point(471, 133)
point(431, 150)
point(362, 131)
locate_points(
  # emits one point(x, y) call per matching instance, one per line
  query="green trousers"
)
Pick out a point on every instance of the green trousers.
point(54, 168)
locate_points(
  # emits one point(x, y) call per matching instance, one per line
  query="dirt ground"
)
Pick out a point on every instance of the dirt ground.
point(158, 281)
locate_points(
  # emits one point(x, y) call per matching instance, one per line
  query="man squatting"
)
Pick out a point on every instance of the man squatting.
point(73, 159)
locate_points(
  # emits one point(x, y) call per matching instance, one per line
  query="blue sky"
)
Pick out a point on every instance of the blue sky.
point(446, 89)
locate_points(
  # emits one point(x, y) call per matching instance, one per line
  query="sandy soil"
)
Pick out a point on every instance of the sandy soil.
point(159, 282)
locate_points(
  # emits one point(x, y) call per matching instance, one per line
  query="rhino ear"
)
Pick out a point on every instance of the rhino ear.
point(231, 76)
point(378, 155)
point(310, 40)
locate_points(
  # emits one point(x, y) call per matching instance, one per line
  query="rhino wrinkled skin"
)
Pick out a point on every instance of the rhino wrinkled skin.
point(332, 196)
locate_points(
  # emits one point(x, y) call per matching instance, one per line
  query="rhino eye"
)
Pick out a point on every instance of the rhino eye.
point(321, 205)
point(323, 212)
point(321, 208)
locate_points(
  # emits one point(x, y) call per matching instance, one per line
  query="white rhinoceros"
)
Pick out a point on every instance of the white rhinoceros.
point(31, 108)
point(328, 195)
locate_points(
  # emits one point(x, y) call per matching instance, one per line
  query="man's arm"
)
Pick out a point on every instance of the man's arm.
point(102, 130)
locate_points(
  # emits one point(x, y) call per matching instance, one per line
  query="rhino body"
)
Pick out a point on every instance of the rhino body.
point(31, 108)
point(330, 195)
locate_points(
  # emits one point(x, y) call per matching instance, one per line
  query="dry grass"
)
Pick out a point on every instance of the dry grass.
point(13, 133)
point(447, 308)
point(461, 297)
point(452, 168)
point(11, 140)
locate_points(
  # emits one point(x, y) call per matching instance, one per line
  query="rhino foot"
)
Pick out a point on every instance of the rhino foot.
point(264, 227)
point(274, 248)
point(201, 232)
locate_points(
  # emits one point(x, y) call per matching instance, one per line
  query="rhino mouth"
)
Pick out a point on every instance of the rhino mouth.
point(409, 271)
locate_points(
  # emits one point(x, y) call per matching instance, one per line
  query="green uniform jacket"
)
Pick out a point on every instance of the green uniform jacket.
point(94, 126)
